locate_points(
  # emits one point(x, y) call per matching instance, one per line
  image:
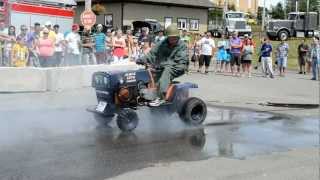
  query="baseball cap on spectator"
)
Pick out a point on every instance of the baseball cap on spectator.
point(56, 26)
point(75, 27)
point(99, 26)
point(48, 23)
point(109, 31)
point(36, 24)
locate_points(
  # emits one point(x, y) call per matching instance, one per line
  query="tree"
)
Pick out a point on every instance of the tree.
point(215, 13)
point(277, 12)
point(260, 12)
point(302, 5)
point(231, 7)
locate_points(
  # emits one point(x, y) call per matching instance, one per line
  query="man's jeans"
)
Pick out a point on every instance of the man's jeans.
point(267, 65)
point(315, 69)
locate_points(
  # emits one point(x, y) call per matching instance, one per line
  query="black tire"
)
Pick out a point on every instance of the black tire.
point(283, 35)
point(194, 111)
point(127, 120)
point(103, 119)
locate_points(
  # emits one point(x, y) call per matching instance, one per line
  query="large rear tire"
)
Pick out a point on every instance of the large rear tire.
point(194, 111)
point(127, 120)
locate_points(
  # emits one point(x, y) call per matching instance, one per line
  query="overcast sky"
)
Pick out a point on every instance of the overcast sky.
point(269, 2)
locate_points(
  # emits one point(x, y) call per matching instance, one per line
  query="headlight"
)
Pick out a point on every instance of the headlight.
point(275, 28)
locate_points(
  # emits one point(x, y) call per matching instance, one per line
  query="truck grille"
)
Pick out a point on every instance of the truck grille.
point(240, 25)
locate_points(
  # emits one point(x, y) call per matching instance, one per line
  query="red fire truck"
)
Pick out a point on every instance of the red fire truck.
point(27, 12)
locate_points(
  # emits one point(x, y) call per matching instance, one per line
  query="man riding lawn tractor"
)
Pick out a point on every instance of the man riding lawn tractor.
point(169, 59)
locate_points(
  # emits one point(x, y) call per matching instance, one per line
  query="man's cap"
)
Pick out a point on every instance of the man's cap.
point(48, 23)
point(172, 31)
point(56, 26)
point(99, 26)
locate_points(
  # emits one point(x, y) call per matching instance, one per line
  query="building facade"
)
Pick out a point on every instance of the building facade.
point(186, 14)
point(247, 6)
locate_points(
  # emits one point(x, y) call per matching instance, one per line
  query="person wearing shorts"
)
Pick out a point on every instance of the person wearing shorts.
point(247, 52)
point(236, 45)
point(282, 56)
point(207, 47)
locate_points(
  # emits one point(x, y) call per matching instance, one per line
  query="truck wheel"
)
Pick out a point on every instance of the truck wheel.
point(194, 111)
point(127, 120)
point(283, 35)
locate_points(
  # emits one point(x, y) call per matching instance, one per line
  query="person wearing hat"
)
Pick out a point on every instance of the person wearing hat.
point(52, 34)
point(73, 47)
point(170, 58)
point(45, 48)
point(59, 45)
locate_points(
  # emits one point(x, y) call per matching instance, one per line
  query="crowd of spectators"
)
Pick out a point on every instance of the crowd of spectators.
point(45, 46)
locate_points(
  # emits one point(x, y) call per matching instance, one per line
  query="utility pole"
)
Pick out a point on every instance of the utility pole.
point(263, 15)
point(297, 9)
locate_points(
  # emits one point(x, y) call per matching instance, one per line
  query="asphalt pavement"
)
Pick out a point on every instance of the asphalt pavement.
point(52, 136)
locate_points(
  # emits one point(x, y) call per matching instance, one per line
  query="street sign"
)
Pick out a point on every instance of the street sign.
point(88, 19)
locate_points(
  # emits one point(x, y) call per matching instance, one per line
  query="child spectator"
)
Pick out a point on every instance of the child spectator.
point(20, 53)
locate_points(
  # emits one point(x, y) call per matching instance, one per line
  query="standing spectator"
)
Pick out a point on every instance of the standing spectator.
point(73, 46)
point(8, 45)
point(144, 36)
point(266, 57)
point(109, 46)
point(247, 52)
point(3, 37)
point(52, 34)
point(135, 50)
point(315, 55)
point(23, 34)
point(303, 50)
point(59, 46)
point(207, 47)
point(236, 46)
point(196, 50)
point(129, 42)
point(45, 47)
point(118, 45)
point(88, 56)
point(282, 57)
point(32, 37)
point(185, 37)
point(160, 37)
point(100, 45)
point(222, 54)
point(20, 53)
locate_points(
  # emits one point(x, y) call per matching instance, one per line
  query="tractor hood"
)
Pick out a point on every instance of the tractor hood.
point(276, 24)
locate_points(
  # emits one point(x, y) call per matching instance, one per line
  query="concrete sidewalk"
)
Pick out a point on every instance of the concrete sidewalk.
point(250, 93)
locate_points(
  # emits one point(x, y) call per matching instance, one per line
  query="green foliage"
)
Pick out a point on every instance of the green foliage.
point(215, 13)
point(260, 12)
point(302, 5)
point(277, 12)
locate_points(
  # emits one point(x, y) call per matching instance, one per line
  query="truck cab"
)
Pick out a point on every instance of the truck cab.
point(233, 21)
point(298, 24)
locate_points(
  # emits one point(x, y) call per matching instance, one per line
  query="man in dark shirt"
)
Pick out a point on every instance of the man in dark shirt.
point(266, 57)
point(303, 50)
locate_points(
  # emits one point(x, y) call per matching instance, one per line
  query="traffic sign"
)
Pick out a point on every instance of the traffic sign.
point(88, 19)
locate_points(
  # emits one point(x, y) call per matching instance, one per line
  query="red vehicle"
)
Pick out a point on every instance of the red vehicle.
point(27, 12)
